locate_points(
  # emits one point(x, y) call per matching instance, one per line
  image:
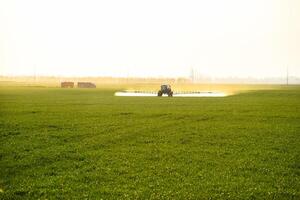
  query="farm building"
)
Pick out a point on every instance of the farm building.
point(86, 85)
point(67, 84)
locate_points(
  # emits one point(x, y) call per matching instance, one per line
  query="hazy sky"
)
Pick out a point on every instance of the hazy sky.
point(150, 38)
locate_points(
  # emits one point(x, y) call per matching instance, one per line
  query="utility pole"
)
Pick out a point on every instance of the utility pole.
point(287, 75)
point(34, 73)
point(192, 75)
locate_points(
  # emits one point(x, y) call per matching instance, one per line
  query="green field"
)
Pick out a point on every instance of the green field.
point(76, 144)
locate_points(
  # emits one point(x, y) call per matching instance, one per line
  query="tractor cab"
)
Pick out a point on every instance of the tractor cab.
point(165, 88)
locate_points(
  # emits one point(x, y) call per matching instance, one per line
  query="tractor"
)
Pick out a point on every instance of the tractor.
point(165, 89)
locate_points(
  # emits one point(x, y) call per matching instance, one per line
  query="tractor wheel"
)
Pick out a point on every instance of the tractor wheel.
point(170, 94)
point(159, 94)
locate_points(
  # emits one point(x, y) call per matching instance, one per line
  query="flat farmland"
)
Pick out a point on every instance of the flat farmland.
point(88, 144)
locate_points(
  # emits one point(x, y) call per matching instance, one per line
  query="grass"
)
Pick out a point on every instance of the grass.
point(75, 144)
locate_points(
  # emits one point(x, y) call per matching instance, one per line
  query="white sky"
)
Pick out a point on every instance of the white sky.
point(256, 38)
